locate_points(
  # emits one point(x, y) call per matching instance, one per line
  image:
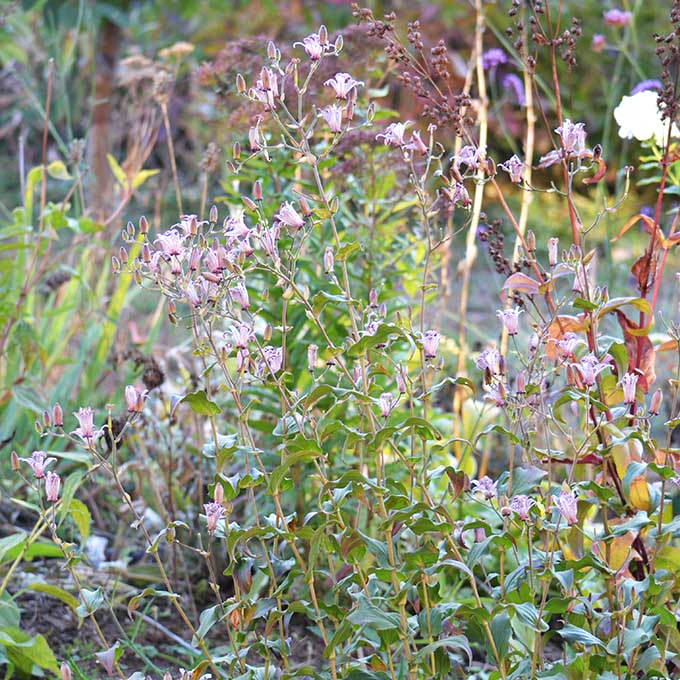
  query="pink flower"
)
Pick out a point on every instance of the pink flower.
point(387, 402)
point(394, 134)
point(242, 334)
point(86, 430)
point(458, 195)
point(573, 137)
point(567, 345)
point(566, 504)
point(134, 398)
point(342, 84)
point(213, 514)
point(269, 239)
point(470, 156)
point(489, 360)
point(401, 377)
point(590, 367)
point(171, 243)
point(495, 393)
point(272, 359)
point(510, 318)
point(52, 483)
point(38, 462)
point(629, 385)
point(328, 260)
point(416, 143)
point(289, 216)
point(598, 42)
point(193, 295)
point(313, 46)
point(514, 167)
point(239, 294)
point(431, 341)
point(521, 505)
point(255, 137)
point(333, 116)
point(486, 486)
point(617, 17)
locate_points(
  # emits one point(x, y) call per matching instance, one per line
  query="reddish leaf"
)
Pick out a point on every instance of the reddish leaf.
point(522, 283)
point(599, 174)
point(641, 355)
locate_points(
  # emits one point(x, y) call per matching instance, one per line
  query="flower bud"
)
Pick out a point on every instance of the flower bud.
point(172, 307)
point(130, 229)
point(219, 494)
point(304, 206)
point(267, 335)
point(52, 484)
point(328, 260)
point(143, 225)
point(249, 203)
point(531, 241)
point(236, 151)
point(146, 253)
point(123, 255)
point(312, 351)
point(257, 190)
point(339, 43)
point(65, 671)
point(655, 403)
point(15, 461)
point(47, 420)
point(373, 298)
point(57, 415)
point(323, 35)
point(240, 84)
point(194, 259)
point(553, 244)
point(213, 213)
point(521, 383)
point(115, 265)
point(272, 52)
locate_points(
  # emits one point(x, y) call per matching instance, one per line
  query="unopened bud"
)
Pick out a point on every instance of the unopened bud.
point(339, 43)
point(236, 151)
point(655, 403)
point(123, 255)
point(172, 307)
point(194, 259)
point(249, 203)
point(312, 351)
point(57, 415)
point(15, 462)
point(553, 245)
point(47, 419)
point(213, 213)
point(521, 383)
point(480, 534)
point(373, 298)
point(143, 225)
point(146, 253)
point(323, 35)
point(65, 671)
point(257, 190)
point(304, 206)
point(531, 241)
point(219, 494)
point(115, 265)
point(130, 229)
point(240, 84)
point(267, 335)
point(534, 341)
point(272, 51)
point(38, 427)
point(328, 260)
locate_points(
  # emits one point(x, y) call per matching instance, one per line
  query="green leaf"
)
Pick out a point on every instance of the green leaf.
point(9, 544)
point(279, 473)
point(147, 592)
point(199, 403)
point(57, 169)
point(81, 517)
point(55, 591)
point(369, 614)
point(91, 600)
point(577, 635)
point(25, 651)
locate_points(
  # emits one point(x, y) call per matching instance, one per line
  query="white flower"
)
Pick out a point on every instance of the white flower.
point(639, 116)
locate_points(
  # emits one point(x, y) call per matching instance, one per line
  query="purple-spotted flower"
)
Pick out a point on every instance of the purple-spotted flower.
point(313, 46)
point(192, 292)
point(272, 359)
point(386, 402)
point(416, 143)
point(242, 334)
point(510, 319)
point(312, 353)
point(38, 462)
point(52, 483)
point(86, 430)
point(394, 134)
point(213, 514)
point(431, 340)
point(566, 505)
point(289, 216)
point(470, 156)
point(573, 137)
point(239, 294)
point(495, 393)
point(589, 368)
point(489, 360)
point(514, 167)
point(553, 246)
point(134, 399)
point(342, 84)
point(629, 385)
point(521, 505)
point(486, 486)
point(333, 116)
